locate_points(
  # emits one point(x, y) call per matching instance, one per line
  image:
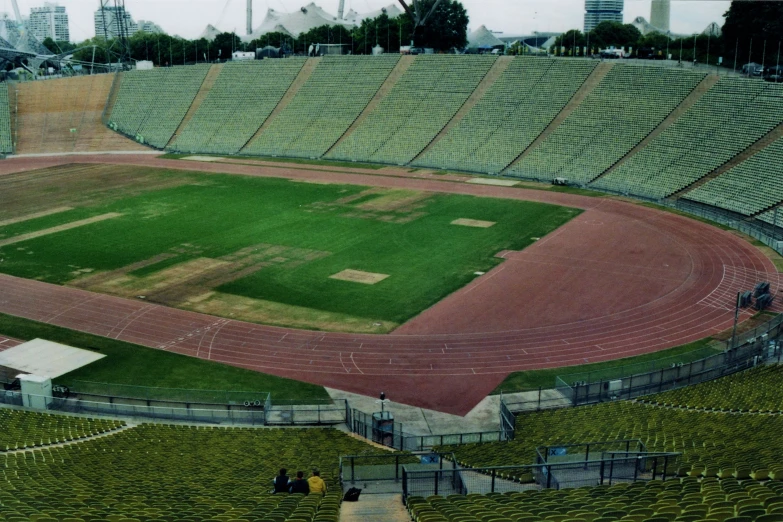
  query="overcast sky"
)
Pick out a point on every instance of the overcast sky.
point(188, 18)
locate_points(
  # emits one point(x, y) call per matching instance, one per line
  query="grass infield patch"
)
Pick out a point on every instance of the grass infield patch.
point(180, 235)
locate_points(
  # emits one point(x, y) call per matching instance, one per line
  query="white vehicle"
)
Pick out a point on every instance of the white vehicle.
point(612, 53)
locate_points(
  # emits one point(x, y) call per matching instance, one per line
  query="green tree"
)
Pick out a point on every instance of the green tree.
point(607, 34)
point(225, 44)
point(756, 21)
point(568, 40)
point(446, 29)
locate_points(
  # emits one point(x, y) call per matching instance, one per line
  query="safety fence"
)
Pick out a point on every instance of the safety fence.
point(385, 431)
point(608, 468)
point(756, 348)
point(187, 405)
point(768, 233)
point(383, 473)
point(237, 416)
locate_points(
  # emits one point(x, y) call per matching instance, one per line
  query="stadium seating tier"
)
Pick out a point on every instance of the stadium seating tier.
point(735, 440)
point(749, 188)
point(626, 106)
point(151, 104)
point(654, 501)
point(336, 93)
point(23, 429)
point(417, 108)
point(731, 116)
point(242, 98)
point(161, 472)
point(6, 138)
point(513, 112)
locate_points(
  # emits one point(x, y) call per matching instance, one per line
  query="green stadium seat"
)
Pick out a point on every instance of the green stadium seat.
point(725, 121)
point(513, 112)
point(422, 102)
point(622, 110)
point(151, 104)
point(240, 101)
point(334, 96)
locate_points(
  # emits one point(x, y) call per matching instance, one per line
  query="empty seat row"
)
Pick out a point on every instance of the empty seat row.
point(751, 187)
point(151, 104)
point(730, 117)
point(240, 101)
point(425, 98)
point(513, 112)
point(625, 107)
point(336, 93)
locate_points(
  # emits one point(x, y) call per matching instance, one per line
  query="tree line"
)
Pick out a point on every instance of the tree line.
point(445, 30)
point(753, 31)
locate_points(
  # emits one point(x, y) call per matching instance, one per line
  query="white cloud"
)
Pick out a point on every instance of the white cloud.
point(189, 17)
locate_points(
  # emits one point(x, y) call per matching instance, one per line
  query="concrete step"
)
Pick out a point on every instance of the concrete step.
point(381, 508)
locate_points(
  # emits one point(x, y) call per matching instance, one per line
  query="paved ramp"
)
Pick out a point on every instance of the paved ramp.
point(388, 508)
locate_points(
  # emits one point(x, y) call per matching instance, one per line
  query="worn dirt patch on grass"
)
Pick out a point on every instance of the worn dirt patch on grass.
point(358, 276)
point(191, 276)
point(495, 182)
point(394, 200)
point(78, 185)
point(475, 223)
point(35, 215)
point(60, 228)
point(278, 314)
point(312, 181)
point(207, 159)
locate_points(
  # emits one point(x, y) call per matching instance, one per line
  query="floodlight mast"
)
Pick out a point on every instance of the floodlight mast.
point(416, 14)
point(249, 17)
point(17, 13)
point(122, 31)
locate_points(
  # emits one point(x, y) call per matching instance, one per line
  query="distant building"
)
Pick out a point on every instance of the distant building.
point(49, 21)
point(106, 22)
point(660, 15)
point(145, 26)
point(597, 11)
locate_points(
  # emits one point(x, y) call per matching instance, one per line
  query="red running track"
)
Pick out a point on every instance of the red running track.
point(619, 280)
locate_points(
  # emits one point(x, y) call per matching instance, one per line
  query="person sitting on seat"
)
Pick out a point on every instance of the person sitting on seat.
point(281, 482)
point(299, 484)
point(316, 483)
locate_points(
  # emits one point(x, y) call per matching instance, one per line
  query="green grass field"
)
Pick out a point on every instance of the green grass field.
point(131, 364)
point(259, 249)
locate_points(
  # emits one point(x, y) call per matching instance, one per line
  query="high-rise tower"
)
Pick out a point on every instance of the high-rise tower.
point(49, 21)
point(597, 11)
point(660, 14)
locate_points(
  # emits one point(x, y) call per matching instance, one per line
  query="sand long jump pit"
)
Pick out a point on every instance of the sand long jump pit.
point(358, 276)
point(474, 223)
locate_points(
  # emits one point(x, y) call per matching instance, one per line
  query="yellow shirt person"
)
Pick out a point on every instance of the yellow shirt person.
point(317, 484)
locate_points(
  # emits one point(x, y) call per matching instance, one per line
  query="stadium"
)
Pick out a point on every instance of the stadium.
point(424, 226)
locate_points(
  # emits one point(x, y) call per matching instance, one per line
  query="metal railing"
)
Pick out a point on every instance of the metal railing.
point(393, 436)
point(315, 412)
point(608, 468)
point(768, 233)
point(756, 350)
point(240, 416)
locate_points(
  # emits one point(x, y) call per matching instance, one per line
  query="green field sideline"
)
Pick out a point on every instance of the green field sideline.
point(127, 363)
